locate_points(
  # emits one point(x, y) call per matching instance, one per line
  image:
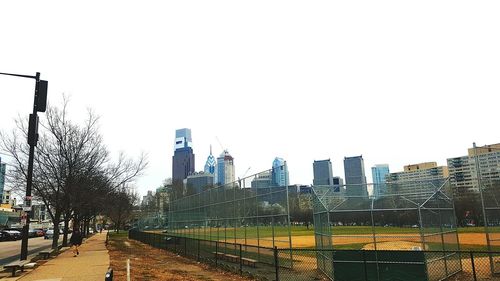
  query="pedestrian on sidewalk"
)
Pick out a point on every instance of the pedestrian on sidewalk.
point(76, 241)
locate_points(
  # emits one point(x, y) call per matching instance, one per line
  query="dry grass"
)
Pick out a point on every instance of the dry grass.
point(148, 263)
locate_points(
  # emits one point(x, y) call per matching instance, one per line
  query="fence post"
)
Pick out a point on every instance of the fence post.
point(364, 263)
point(276, 265)
point(473, 266)
point(241, 262)
point(198, 250)
point(185, 246)
point(216, 252)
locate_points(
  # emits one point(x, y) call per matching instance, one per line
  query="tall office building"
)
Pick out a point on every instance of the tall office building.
point(379, 173)
point(280, 172)
point(183, 159)
point(261, 180)
point(225, 169)
point(354, 169)
point(210, 164)
point(322, 170)
point(2, 178)
point(464, 172)
point(199, 182)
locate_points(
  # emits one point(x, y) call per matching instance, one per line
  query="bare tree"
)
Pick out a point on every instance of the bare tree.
point(72, 167)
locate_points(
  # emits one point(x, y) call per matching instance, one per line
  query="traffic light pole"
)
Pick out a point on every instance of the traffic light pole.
point(39, 105)
point(29, 180)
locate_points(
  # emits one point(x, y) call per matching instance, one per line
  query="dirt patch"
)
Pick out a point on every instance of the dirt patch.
point(148, 263)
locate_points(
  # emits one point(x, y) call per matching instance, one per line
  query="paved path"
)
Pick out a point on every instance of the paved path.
point(90, 265)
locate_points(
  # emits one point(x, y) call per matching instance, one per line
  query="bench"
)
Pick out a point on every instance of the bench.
point(233, 258)
point(15, 266)
point(46, 254)
point(249, 262)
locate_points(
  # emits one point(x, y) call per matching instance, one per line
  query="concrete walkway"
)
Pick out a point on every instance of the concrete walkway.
point(90, 265)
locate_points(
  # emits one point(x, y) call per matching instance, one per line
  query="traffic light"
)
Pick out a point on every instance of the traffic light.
point(33, 130)
point(41, 96)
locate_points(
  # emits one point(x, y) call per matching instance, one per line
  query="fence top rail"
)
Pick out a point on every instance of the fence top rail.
point(296, 250)
point(202, 240)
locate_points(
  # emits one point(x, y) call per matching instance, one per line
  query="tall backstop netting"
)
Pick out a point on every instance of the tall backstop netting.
point(486, 160)
point(253, 212)
point(413, 221)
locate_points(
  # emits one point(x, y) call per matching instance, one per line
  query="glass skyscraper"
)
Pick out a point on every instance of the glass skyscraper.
point(225, 169)
point(210, 164)
point(354, 169)
point(322, 170)
point(279, 172)
point(379, 172)
point(183, 159)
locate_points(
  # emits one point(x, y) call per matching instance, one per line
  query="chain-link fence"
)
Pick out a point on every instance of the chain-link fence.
point(411, 215)
point(253, 211)
point(347, 265)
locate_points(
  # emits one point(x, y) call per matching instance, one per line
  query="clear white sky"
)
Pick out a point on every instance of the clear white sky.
point(399, 82)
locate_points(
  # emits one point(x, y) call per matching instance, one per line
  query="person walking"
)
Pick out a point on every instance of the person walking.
point(76, 241)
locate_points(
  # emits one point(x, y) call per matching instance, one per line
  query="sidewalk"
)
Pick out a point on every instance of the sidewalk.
point(90, 265)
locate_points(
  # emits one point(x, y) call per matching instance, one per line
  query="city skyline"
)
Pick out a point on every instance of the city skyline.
point(264, 79)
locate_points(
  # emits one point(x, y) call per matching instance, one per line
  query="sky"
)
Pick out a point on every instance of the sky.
point(398, 82)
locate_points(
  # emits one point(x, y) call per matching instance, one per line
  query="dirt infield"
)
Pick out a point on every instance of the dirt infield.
point(409, 240)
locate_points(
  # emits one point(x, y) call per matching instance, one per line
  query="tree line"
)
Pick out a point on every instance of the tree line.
point(74, 174)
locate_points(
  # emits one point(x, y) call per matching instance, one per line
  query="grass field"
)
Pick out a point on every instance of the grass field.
point(345, 237)
point(266, 231)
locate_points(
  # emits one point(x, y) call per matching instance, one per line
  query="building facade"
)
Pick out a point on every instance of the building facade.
point(225, 169)
point(183, 159)
point(198, 182)
point(379, 174)
point(261, 180)
point(8, 198)
point(417, 179)
point(481, 163)
point(279, 172)
point(322, 171)
point(355, 179)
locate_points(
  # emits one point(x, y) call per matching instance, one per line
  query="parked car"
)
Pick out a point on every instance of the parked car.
point(49, 234)
point(39, 232)
point(11, 235)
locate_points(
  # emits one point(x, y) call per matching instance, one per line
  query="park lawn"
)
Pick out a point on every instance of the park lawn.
point(282, 231)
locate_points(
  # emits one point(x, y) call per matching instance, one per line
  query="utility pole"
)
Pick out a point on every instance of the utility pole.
point(39, 105)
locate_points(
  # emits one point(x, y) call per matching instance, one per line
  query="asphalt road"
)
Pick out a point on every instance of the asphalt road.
point(10, 250)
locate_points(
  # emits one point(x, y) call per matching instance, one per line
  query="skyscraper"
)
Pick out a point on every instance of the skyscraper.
point(354, 169)
point(210, 164)
point(225, 169)
point(183, 159)
point(279, 172)
point(322, 170)
point(379, 172)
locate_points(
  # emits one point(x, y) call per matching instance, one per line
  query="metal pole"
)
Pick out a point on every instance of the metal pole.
point(485, 219)
point(241, 261)
point(472, 265)
point(365, 266)
point(276, 265)
point(285, 168)
point(29, 180)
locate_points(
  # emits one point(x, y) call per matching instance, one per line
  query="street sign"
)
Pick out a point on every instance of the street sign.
point(27, 209)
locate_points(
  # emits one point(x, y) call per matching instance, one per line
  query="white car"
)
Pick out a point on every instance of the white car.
point(49, 234)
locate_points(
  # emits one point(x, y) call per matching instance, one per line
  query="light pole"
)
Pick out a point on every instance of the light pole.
point(39, 105)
